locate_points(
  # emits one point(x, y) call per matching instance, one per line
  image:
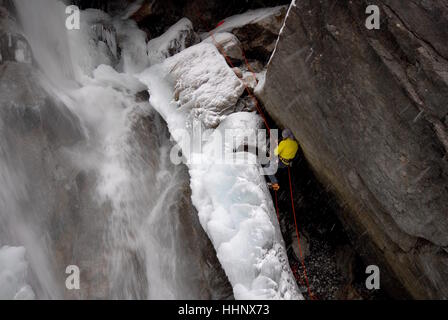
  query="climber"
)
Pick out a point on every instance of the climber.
point(286, 152)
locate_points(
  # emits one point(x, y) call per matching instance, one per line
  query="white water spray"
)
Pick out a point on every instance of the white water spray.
point(122, 214)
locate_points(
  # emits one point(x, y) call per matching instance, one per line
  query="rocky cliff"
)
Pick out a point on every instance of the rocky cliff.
point(369, 108)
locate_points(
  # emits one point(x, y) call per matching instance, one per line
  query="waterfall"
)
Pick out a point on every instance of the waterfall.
point(44, 24)
point(98, 190)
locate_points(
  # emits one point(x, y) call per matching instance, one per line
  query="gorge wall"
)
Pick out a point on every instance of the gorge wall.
point(369, 108)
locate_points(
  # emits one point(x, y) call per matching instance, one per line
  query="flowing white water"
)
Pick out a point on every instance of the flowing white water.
point(44, 24)
point(130, 228)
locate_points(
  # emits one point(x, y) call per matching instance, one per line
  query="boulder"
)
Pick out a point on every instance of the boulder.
point(13, 45)
point(177, 38)
point(257, 30)
point(207, 91)
point(304, 251)
point(228, 44)
point(28, 108)
point(238, 72)
point(250, 80)
point(156, 15)
point(246, 104)
point(369, 108)
point(253, 66)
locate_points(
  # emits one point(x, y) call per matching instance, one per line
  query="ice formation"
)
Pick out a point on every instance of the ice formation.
point(174, 40)
point(249, 17)
point(193, 87)
point(234, 205)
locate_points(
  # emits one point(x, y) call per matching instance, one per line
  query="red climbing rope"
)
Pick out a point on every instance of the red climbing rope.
point(260, 111)
point(302, 260)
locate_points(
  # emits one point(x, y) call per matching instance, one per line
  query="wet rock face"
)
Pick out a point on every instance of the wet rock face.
point(13, 45)
point(255, 31)
point(177, 38)
point(27, 109)
point(42, 185)
point(369, 108)
point(259, 38)
point(59, 199)
point(156, 16)
point(228, 44)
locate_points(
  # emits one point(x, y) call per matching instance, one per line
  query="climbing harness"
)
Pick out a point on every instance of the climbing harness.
point(286, 162)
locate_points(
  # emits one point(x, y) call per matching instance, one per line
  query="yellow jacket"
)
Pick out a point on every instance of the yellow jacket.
point(287, 149)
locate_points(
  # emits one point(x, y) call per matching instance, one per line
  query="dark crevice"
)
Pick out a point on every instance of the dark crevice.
point(335, 270)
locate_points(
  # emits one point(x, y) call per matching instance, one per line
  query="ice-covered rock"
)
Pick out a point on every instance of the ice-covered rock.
point(232, 200)
point(13, 45)
point(174, 40)
point(227, 43)
point(257, 30)
point(270, 18)
point(238, 72)
point(95, 43)
point(132, 45)
point(204, 84)
point(250, 80)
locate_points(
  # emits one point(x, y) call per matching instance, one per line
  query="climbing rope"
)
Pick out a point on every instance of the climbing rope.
point(229, 61)
point(302, 260)
point(261, 113)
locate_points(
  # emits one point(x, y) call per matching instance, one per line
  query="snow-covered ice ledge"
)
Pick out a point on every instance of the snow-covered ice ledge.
point(233, 202)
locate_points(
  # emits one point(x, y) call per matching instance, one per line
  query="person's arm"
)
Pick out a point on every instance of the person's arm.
point(279, 149)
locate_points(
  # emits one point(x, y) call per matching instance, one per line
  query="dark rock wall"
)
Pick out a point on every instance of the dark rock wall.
point(155, 16)
point(369, 108)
